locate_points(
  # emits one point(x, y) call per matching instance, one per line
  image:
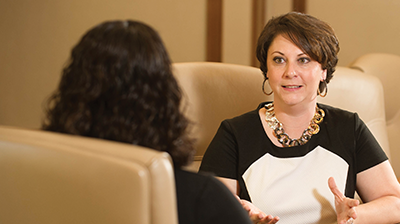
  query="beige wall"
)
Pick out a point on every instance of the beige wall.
point(36, 37)
point(236, 32)
point(362, 26)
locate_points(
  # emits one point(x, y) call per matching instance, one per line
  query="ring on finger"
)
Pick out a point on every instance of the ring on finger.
point(350, 221)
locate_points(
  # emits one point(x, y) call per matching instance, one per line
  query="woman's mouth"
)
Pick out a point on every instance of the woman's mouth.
point(291, 87)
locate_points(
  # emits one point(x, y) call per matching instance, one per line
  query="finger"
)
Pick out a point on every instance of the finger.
point(268, 219)
point(353, 203)
point(352, 213)
point(246, 207)
point(256, 217)
point(350, 221)
point(238, 198)
point(265, 219)
point(334, 189)
point(273, 220)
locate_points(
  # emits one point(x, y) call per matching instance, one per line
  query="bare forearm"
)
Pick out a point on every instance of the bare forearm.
point(382, 210)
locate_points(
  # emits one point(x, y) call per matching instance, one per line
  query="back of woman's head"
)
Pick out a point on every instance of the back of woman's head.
point(118, 85)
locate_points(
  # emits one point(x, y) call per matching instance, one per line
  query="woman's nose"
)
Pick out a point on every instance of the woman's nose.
point(290, 70)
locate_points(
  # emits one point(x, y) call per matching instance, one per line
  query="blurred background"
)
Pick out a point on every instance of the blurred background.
point(37, 36)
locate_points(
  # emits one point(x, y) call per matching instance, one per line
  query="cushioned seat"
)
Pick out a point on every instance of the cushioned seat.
point(56, 178)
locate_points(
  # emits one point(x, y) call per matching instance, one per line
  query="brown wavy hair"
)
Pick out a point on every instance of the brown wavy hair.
point(118, 85)
point(313, 36)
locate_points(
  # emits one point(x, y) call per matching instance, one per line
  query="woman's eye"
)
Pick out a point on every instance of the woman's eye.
point(304, 60)
point(278, 60)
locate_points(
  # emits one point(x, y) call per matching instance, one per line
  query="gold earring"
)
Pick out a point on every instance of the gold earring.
point(263, 89)
point(326, 92)
point(323, 84)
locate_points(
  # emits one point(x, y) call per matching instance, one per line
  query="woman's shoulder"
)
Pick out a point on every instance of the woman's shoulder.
point(332, 112)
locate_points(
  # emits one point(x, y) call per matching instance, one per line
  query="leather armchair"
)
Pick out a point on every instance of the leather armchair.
point(216, 91)
point(57, 178)
point(386, 67)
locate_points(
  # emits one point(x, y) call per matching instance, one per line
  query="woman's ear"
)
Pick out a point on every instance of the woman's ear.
point(323, 75)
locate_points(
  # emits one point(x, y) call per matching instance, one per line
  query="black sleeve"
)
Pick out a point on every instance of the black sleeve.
point(218, 205)
point(220, 157)
point(368, 151)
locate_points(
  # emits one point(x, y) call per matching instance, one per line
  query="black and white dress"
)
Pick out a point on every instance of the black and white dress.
point(292, 183)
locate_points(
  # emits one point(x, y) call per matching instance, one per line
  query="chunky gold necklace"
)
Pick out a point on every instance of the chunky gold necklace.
point(284, 138)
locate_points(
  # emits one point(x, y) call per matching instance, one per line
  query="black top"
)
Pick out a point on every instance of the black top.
point(292, 182)
point(202, 199)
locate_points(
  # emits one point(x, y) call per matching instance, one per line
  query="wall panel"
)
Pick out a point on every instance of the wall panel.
point(37, 37)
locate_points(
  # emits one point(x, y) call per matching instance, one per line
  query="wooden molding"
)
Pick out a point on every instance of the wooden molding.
point(214, 31)
point(214, 27)
point(299, 6)
point(258, 20)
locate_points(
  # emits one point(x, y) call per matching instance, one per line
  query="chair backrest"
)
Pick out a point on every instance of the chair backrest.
point(57, 178)
point(214, 92)
point(356, 91)
point(386, 67)
point(217, 91)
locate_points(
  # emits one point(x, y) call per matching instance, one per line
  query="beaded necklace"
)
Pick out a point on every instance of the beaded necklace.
point(284, 138)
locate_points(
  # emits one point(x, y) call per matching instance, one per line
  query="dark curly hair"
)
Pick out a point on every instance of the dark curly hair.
point(313, 36)
point(118, 85)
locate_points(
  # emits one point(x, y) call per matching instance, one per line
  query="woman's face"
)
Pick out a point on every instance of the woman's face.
point(293, 75)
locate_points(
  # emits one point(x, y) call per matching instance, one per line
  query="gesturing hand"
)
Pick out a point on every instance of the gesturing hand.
point(256, 215)
point(345, 207)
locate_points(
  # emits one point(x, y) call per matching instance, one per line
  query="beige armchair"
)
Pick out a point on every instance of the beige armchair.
point(55, 178)
point(216, 91)
point(386, 67)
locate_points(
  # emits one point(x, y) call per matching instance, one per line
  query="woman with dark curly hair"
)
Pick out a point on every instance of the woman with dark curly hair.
point(118, 85)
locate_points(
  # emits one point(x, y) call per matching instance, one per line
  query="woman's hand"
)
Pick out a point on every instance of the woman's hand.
point(256, 215)
point(345, 207)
